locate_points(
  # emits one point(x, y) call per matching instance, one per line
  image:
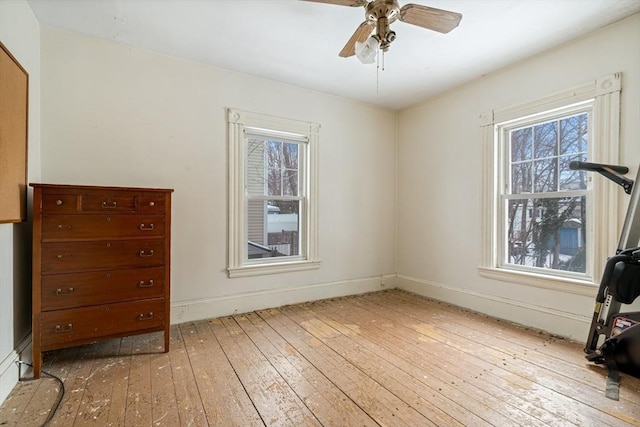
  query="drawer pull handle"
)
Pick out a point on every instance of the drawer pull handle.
point(61, 256)
point(142, 316)
point(144, 284)
point(144, 227)
point(68, 328)
point(59, 202)
point(152, 204)
point(69, 291)
point(146, 254)
point(109, 204)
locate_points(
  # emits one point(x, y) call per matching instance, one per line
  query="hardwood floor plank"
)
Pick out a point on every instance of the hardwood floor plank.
point(121, 371)
point(403, 379)
point(14, 406)
point(74, 384)
point(276, 402)
point(474, 379)
point(562, 388)
point(225, 400)
point(380, 404)
point(164, 409)
point(549, 351)
point(96, 399)
point(190, 407)
point(138, 409)
point(511, 343)
point(59, 364)
point(329, 404)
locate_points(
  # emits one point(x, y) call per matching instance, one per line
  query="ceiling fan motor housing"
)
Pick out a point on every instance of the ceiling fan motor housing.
point(382, 13)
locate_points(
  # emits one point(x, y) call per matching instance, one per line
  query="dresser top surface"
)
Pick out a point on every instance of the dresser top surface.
point(97, 187)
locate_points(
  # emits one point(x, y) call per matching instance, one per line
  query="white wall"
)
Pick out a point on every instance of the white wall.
point(440, 178)
point(116, 115)
point(20, 33)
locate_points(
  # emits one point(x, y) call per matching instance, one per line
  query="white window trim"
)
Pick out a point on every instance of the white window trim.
point(284, 128)
point(605, 144)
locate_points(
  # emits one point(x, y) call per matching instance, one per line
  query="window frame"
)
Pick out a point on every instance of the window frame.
point(602, 202)
point(280, 129)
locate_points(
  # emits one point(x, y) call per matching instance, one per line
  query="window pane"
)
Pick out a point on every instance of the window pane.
point(274, 183)
point(283, 227)
point(545, 175)
point(521, 178)
point(547, 233)
point(290, 182)
point(290, 154)
point(572, 179)
point(521, 143)
point(274, 154)
point(545, 140)
point(255, 173)
point(573, 134)
point(273, 228)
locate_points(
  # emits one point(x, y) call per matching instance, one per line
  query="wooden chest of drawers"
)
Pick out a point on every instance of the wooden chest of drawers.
point(101, 264)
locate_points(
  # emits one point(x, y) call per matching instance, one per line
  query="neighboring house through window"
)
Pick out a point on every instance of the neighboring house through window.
point(544, 220)
point(272, 193)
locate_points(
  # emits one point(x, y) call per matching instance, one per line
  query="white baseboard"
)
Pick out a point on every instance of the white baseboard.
point(243, 303)
point(556, 322)
point(9, 372)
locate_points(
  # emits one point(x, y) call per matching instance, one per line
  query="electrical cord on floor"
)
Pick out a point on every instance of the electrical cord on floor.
point(60, 393)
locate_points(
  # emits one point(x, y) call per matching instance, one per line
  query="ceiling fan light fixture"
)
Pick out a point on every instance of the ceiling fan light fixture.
point(366, 52)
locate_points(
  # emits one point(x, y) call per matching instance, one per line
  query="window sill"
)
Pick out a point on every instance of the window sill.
point(262, 269)
point(568, 285)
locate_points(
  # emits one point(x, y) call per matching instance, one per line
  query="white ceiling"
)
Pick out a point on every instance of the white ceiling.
point(297, 42)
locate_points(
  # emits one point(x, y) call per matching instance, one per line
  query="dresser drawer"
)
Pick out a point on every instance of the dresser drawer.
point(81, 325)
point(151, 203)
point(58, 257)
point(112, 201)
point(59, 203)
point(101, 226)
point(100, 287)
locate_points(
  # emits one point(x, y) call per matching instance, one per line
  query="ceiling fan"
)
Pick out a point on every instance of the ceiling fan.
point(379, 14)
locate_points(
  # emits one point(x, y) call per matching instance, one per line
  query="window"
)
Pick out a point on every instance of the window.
point(544, 209)
point(546, 224)
point(272, 194)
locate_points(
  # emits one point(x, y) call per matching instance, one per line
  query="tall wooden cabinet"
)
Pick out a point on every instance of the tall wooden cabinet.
point(101, 264)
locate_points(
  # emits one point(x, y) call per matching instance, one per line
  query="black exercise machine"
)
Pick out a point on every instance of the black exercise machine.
point(614, 336)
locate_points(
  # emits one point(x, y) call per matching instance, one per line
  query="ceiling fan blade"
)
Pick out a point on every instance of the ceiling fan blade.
point(352, 3)
point(430, 18)
point(361, 35)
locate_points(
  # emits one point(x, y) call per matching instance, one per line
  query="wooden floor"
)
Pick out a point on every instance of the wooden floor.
point(387, 358)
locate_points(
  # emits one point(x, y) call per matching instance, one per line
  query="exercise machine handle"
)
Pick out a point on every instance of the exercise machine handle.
point(597, 167)
point(613, 172)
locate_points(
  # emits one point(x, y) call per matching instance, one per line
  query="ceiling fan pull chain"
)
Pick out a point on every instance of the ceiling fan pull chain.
point(378, 73)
